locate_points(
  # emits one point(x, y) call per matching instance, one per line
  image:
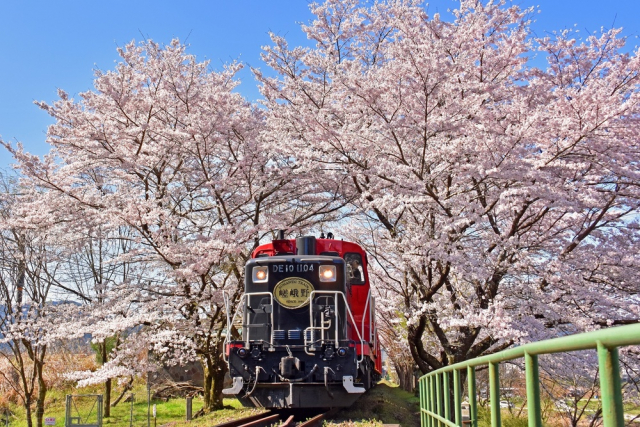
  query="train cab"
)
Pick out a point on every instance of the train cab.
point(303, 334)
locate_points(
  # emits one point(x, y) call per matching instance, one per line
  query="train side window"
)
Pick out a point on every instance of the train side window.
point(355, 271)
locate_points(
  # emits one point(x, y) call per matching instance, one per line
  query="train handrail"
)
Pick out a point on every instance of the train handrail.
point(434, 385)
point(366, 305)
point(243, 298)
point(246, 301)
point(227, 305)
point(322, 328)
point(361, 358)
point(309, 301)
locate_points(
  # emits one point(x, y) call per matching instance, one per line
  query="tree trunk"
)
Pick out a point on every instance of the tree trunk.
point(401, 377)
point(214, 371)
point(128, 386)
point(107, 385)
point(42, 390)
point(107, 398)
point(20, 285)
point(405, 377)
point(40, 407)
point(27, 407)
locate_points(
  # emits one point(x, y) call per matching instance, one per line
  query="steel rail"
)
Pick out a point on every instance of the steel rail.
point(247, 420)
point(288, 422)
point(269, 418)
point(314, 422)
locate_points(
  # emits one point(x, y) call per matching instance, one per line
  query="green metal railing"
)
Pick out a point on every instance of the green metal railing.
point(435, 410)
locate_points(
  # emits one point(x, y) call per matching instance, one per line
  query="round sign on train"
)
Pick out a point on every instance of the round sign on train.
point(293, 292)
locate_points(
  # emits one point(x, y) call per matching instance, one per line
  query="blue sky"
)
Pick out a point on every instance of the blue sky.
point(57, 44)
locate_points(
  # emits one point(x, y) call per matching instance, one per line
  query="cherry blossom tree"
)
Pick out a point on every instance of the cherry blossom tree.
point(27, 264)
point(95, 265)
point(499, 200)
point(571, 382)
point(164, 148)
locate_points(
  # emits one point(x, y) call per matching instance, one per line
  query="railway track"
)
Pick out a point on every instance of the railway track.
point(275, 419)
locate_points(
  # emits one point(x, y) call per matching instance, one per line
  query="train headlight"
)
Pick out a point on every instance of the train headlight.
point(327, 273)
point(260, 274)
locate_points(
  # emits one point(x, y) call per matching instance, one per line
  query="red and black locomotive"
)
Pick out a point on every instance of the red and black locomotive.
point(304, 332)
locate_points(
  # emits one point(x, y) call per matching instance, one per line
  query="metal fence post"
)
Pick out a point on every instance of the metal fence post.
point(67, 411)
point(439, 411)
point(473, 399)
point(432, 404)
point(423, 399)
point(149, 399)
point(131, 411)
point(533, 390)
point(457, 401)
point(427, 400)
point(100, 410)
point(447, 395)
point(610, 388)
point(494, 389)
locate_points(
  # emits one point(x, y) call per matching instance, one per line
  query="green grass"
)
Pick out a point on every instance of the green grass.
point(632, 409)
point(384, 404)
point(172, 412)
point(508, 420)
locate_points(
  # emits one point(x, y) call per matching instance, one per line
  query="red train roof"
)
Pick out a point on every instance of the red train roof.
point(323, 247)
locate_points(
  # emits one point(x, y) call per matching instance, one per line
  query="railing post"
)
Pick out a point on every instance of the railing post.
point(429, 401)
point(447, 395)
point(189, 408)
point(434, 407)
point(610, 388)
point(473, 399)
point(439, 387)
point(494, 388)
point(421, 389)
point(100, 408)
point(457, 401)
point(67, 411)
point(533, 390)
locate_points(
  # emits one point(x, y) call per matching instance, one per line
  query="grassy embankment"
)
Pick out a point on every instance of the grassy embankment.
point(172, 412)
point(385, 404)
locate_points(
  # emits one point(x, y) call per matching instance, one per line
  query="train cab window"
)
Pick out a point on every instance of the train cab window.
point(355, 271)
